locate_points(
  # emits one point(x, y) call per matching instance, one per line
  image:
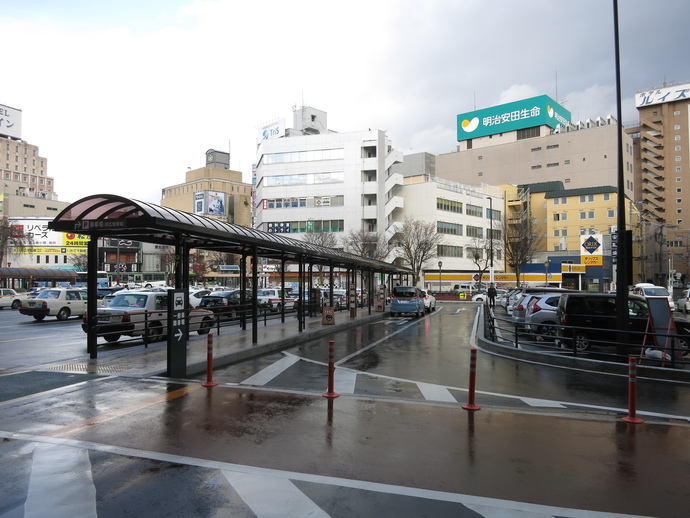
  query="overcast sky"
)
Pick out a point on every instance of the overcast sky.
point(122, 97)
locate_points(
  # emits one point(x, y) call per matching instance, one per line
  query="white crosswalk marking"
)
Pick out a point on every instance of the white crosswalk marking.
point(61, 485)
point(345, 381)
point(436, 393)
point(270, 497)
point(269, 373)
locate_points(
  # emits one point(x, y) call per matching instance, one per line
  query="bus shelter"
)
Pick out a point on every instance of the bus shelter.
point(108, 215)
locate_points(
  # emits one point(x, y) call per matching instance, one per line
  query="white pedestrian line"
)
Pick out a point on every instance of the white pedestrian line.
point(542, 403)
point(435, 392)
point(269, 373)
point(344, 382)
point(60, 485)
point(270, 497)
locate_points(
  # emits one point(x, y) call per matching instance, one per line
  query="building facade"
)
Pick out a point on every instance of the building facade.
point(662, 158)
point(539, 149)
point(312, 179)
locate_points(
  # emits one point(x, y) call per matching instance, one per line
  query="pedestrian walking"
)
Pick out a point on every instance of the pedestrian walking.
point(491, 292)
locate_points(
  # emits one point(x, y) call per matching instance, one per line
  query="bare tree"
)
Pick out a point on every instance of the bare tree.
point(79, 261)
point(479, 252)
point(325, 239)
point(417, 242)
point(13, 239)
point(522, 239)
point(373, 245)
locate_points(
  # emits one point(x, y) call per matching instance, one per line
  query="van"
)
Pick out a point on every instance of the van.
point(407, 299)
point(646, 289)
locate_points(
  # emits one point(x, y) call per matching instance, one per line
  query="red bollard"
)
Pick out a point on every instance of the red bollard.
point(209, 363)
point(632, 392)
point(331, 370)
point(473, 380)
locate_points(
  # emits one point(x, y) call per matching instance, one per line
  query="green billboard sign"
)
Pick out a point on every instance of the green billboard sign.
point(536, 111)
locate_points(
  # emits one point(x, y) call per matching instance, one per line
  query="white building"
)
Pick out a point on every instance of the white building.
point(312, 179)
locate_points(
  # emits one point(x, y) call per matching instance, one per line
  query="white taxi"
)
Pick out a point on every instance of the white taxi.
point(55, 302)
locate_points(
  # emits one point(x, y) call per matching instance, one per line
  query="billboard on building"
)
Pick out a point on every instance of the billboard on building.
point(10, 122)
point(273, 130)
point(662, 95)
point(528, 113)
point(592, 249)
point(210, 203)
point(45, 241)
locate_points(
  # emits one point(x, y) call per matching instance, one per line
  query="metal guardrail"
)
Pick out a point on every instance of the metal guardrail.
point(504, 330)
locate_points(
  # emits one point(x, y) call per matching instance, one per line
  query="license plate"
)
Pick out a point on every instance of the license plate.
point(104, 319)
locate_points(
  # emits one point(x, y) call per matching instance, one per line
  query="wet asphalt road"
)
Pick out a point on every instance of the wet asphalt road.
point(171, 448)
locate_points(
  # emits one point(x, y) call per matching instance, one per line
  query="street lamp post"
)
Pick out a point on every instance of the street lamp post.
point(546, 272)
point(440, 263)
point(491, 239)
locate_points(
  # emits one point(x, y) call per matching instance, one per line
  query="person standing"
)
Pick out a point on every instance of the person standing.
point(491, 292)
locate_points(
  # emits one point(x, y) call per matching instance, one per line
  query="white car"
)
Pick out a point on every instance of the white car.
point(55, 302)
point(429, 301)
point(11, 299)
point(195, 297)
point(273, 298)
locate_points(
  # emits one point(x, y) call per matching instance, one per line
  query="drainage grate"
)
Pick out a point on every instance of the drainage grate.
point(88, 368)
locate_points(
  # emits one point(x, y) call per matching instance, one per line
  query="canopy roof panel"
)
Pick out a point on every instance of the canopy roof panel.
point(109, 215)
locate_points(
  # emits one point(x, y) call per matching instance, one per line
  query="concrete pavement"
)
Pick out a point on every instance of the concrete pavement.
point(110, 437)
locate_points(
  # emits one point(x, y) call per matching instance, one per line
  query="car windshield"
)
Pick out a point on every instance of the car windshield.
point(128, 301)
point(656, 291)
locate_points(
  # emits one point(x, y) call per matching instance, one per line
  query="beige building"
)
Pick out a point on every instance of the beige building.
point(662, 159)
point(212, 192)
point(580, 155)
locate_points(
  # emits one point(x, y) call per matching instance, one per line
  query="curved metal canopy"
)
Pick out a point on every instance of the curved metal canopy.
point(37, 273)
point(109, 215)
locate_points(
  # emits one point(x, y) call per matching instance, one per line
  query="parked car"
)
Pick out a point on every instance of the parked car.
point(645, 289)
point(683, 302)
point(228, 304)
point(519, 314)
point(11, 299)
point(103, 291)
point(429, 301)
point(407, 299)
point(483, 297)
point(273, 298)
point(55, 302)
point(507, 295)
point(195, 296)
point(139, 313)
point(541, 317)
point(587, 319)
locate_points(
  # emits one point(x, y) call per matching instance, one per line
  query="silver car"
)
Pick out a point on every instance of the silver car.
point(541, 317)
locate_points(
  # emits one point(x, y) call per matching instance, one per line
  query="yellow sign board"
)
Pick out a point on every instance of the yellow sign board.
point(592, 260)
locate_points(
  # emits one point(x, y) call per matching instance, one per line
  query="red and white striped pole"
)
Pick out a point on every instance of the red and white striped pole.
point(209, 363)
point(331, 370)
point(632, 392)
point(473, 381)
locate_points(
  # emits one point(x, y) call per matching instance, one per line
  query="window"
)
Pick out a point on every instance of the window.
point(449, 205)
point(678, 170)
point(474, 231)
point(453, 229)
point(474, 210)
point(679, 200)
point(679, 189)
point(676, 112)
point(611, 213)
point(678, 159)
point(448, 251)
point(552, 146)
point(607, 196)
point(538, 166)
point(590, 214)
point(676, 127)
point(536, 148)
point(583, 215)
point(553, 164)
point(677, 137)
point(677, 148)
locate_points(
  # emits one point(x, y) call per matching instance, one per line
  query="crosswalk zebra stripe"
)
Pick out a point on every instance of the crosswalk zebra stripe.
point(61, 484)
point(273, 497)
point(269, 373)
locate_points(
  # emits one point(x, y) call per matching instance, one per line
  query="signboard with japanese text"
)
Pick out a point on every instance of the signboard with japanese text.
point(45, 241)
point(667, 94)
point(528, 113)
point(10, 122)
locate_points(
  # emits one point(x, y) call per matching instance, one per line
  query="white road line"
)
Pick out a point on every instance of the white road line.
point(270, 497)
point(60, 484)
point(345, 380)
point(435, 392)
point(264, 376)
point(511, 508)
point(542, 403)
